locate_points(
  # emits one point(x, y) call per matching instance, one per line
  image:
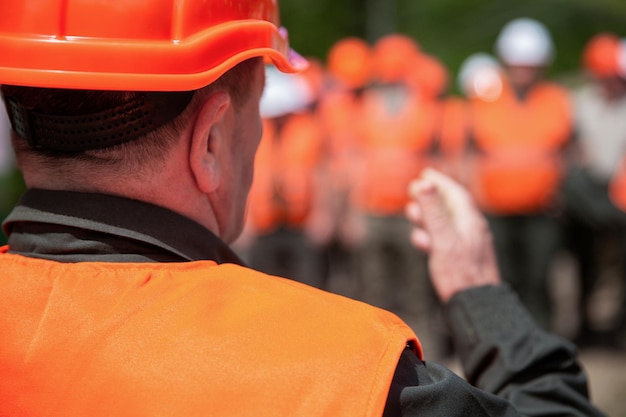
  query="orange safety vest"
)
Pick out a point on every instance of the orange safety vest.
point(186, 339)
point(453, 133)
point(454, 126)
point(338, 113)
point(520, 167)
point(395, 150)
point(284, 180)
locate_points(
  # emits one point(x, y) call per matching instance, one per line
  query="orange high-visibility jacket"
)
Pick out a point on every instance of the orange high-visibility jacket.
point(338, 113)
point(284, 178)
point(454, 126)
point(453, 132)
point(395, 149)
point(186, 339)
point(520, 167)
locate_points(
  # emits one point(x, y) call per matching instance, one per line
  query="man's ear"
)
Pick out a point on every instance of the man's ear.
point(208, 140)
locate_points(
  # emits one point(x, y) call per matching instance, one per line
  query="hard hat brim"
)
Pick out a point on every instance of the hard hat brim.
point(174, 65)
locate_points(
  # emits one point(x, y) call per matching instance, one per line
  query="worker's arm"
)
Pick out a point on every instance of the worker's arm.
point(512, 366)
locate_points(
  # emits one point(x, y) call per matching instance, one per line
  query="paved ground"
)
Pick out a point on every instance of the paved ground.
point(605, 366)
point(607, 377)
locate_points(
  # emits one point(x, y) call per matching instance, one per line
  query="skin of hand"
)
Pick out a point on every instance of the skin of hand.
point(449, 227)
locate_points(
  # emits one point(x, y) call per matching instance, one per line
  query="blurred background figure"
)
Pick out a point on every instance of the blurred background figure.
point(399, 113)
point(520, 124)
point(594, 223)
point(283, 233)
point(348, 73)
point(479, 79)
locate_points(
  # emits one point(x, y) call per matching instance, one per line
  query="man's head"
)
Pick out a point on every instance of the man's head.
point(167, 115)
point(604, 59)
point(525, 48)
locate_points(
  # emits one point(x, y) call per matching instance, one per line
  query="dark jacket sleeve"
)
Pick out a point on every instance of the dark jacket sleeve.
point(512, 367)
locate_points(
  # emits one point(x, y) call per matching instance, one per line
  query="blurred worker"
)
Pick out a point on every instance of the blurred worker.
point(349, 72)
point(593, 219)
point(519, 136)
point(452, 136)
point(120, 294)
point(285, 192)
point(479, 79)
point(396, 133)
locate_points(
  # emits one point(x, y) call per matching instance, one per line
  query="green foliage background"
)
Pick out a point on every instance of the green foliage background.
point(451, 29)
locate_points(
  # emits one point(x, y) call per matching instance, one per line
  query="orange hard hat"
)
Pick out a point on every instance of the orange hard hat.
point(349, 62)
point(428, 75)
point(392, 55)
point(139, 45)
point(601, 55)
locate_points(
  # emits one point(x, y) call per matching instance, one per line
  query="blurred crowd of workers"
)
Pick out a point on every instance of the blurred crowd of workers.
point(342, 142)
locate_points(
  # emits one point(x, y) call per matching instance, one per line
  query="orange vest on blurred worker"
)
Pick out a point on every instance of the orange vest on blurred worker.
point(519, 167)
point(186, 339)
point(284, 179)
point(453, 131)
point(395, 147)
point(339, 115)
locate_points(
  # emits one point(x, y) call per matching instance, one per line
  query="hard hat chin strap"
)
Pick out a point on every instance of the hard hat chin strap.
point(120, 124)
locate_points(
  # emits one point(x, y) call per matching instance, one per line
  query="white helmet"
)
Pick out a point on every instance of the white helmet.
point(284, 93)
point(525, 42)
point(480, 76)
